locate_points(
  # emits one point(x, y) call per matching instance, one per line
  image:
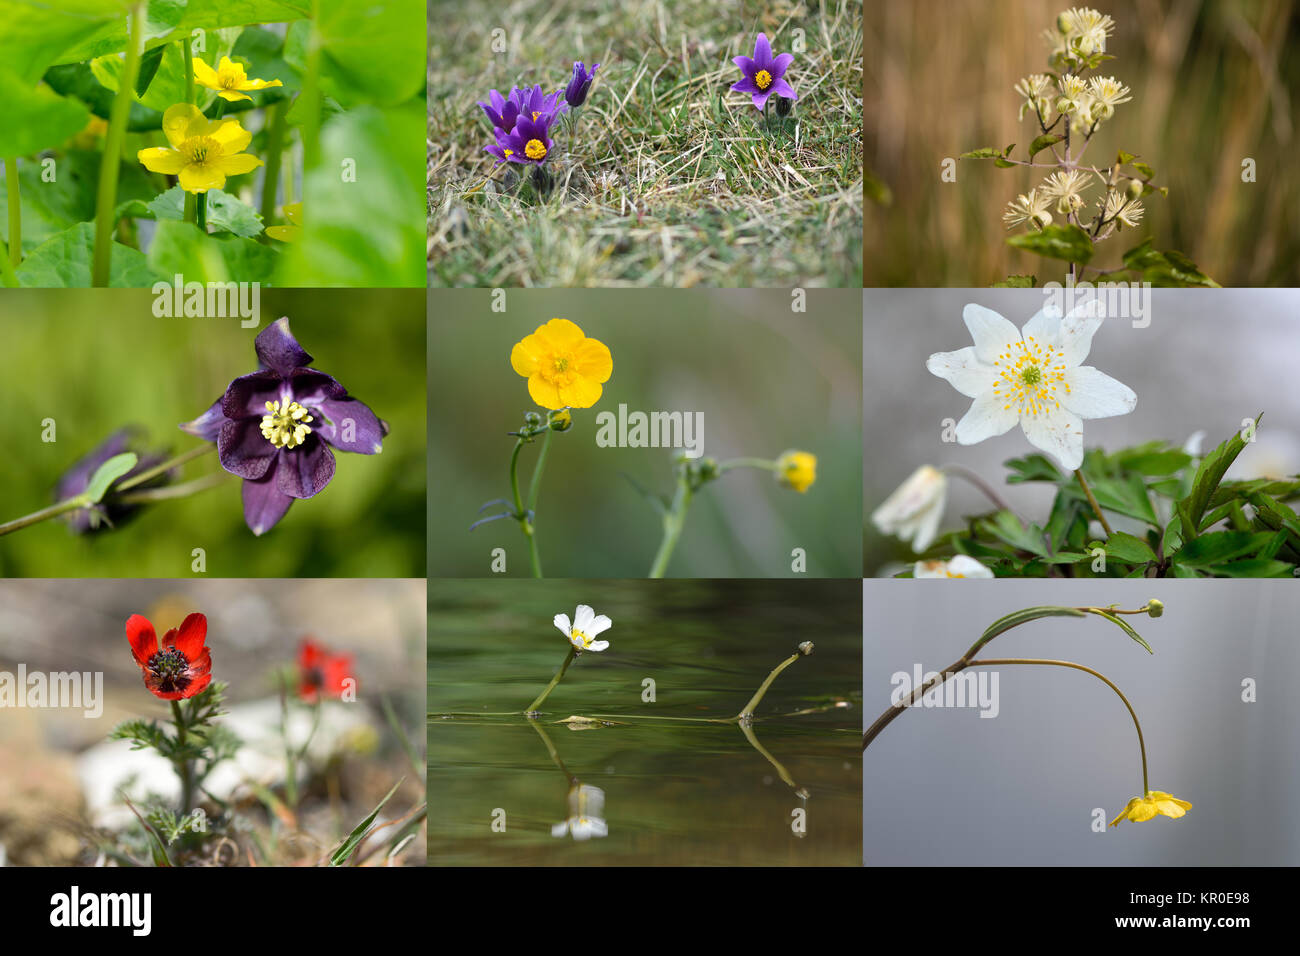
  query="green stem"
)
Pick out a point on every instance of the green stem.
point(201, 211)
point(150, 473)
point(110, 165)
point(53, 511)
point(311, 94)
point(168, 492)
point(525, 523)
point(748, 709)
point(1096, 508)
point(274, 148)
point(187, 48)
point(559, 675)
point(7, 274)
point(15, 212)
point(1142, 746)
point(674, 521)
point(183, 767)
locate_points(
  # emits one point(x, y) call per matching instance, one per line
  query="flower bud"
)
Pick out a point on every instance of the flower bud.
point(797, 470)
point(1135, 189)
point(1155, 608)
point(560, 420)
point(1063, 23)
point(532, 418)
point(783, 106)
point(806, 648)
point(1042, 219)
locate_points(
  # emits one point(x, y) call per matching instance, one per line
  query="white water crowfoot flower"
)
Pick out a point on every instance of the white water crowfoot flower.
point(586, 814)
point(586, 625)
point(914, 510)
point(1033, 378)
point(962, 566)
point(1031, 207)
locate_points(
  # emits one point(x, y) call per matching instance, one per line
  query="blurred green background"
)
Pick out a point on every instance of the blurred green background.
point(95, 361)
point(677, 793)
point(767, 380)
point(1213, 82)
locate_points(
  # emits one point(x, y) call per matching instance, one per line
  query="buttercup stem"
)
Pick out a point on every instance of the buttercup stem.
point(996, 661)
point(674, 521)
point(274, 148)
point(110, 164)
point(188, 50)
point(559, 675)
point(1096, 508)
point(15, 212)
point(534, 489)
point(525, 524)
point(7, 274)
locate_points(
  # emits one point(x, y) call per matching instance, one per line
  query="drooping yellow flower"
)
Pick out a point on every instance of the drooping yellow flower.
point(797, 470)
point(1156, 802)
point(203, 152)
point(564, 368)
point(288, 233)
point(228, 79)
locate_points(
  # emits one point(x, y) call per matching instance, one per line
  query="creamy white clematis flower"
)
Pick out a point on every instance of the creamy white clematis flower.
point(586, 814)
point(962, 566)
point(1107, 93)
point(1034, 379)
point(586, 625)
point(914, 510)
point(1031, 207)
point(1037, 91)
point(1086, 28)
point(1119, 207)
point(1066, 188)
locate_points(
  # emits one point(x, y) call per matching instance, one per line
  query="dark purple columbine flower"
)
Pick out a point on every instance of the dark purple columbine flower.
point(501, 110)
point(77, 479)
point(275, 427)
point(764, 74)
point(575, 94)
point(528, 142)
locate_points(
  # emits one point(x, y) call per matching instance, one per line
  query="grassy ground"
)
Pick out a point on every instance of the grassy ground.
point(670, 178)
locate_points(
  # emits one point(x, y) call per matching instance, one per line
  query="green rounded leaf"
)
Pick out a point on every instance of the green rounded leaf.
point(1067, 242)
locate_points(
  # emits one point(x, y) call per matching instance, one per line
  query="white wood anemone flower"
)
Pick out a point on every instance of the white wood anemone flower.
point(586, 625)
point(914, 510)
point(1033, 378)
point(961, 566)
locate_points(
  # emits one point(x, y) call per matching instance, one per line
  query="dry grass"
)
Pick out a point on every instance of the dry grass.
point(670, 179)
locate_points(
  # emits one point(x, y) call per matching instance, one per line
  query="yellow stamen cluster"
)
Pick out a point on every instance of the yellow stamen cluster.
point(535, 149)
point(1029, 375)
point(586, 641)
point(762, 79)
point(198, 148)
point(286, 424)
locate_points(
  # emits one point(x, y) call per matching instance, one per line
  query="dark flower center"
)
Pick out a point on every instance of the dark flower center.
point(170, 670)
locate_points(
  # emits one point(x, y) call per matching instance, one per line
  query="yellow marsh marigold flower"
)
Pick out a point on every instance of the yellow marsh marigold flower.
point(564, 368)
point(203, 152)
point(288, 233)
point(228, 79)
point(797, 470)
point(1154, 803)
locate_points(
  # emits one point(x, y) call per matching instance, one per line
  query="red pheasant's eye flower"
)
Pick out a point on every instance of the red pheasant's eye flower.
point(320, 671)
point(181, 666)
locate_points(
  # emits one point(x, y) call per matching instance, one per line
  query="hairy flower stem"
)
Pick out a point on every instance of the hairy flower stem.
point(1096, 508)
point(524, 517)
point(184, 769)
point(559, 676)
point(110, 164)
point(674, 521)
point(15, 212)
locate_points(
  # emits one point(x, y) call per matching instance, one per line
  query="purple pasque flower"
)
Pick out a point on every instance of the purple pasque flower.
point(575, 94)
point(501, 110)
point(275, 428)
point(536, 105)
point(528, 142)
point(76, 480)
point(764, 74)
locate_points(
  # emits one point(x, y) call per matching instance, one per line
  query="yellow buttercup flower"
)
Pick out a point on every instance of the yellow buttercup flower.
point(797, 470)
point(1156, 802)
point(564, 368)
point(228, 79)
point(203, 152)
point(289, 233)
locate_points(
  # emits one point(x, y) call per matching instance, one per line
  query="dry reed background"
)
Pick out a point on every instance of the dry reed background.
point(1213, 82)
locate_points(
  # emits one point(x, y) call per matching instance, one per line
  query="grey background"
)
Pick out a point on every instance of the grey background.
point(947, 787)
point(1208, 359)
